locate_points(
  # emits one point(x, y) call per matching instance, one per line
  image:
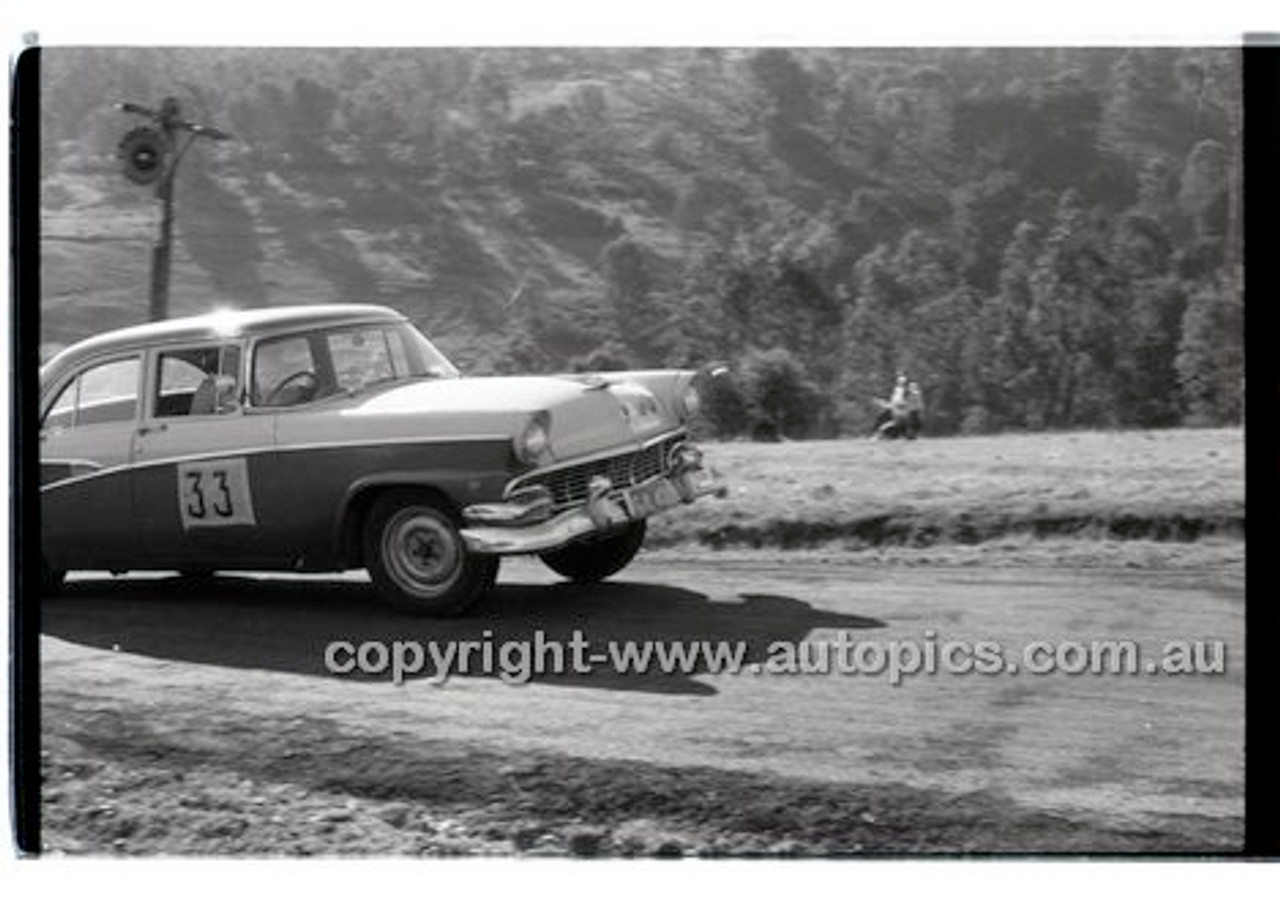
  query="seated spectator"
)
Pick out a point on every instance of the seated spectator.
point(892, 420)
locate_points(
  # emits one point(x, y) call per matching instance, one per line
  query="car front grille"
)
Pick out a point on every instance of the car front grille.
point(568, 485)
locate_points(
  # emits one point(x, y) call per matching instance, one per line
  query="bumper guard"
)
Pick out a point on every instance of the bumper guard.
point(521, 524)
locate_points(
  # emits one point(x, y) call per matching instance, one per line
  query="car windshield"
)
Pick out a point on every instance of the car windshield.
point(309, 366)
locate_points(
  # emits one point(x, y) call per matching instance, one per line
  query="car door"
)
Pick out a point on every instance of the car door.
point(86, 438)
point(197, 460)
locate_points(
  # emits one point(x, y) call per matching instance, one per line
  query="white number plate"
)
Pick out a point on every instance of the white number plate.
point(655, 496)
point(214, 493)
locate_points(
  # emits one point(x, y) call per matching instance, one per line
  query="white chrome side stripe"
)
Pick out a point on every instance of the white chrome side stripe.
point(263, 449)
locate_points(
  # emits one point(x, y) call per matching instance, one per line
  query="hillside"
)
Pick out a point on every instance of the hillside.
point(1068, 217)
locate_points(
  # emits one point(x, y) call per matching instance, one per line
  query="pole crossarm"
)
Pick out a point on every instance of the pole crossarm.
point(168, 121)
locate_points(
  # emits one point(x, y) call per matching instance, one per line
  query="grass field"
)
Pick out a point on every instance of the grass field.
point(1093, 489)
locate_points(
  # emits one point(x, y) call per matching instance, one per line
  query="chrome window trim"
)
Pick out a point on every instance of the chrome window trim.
point(251, 360)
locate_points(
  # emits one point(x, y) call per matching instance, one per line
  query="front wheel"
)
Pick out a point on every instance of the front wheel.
point(418, 560)
point(598, 558)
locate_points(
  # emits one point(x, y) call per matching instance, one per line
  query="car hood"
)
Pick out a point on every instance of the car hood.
point(586, 413)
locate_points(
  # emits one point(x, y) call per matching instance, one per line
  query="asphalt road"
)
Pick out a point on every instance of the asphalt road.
point(1142, 749)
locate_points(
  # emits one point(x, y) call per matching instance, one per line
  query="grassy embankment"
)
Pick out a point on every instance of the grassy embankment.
point(1093, 489)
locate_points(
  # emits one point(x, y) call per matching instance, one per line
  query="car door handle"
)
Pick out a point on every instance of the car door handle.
point(146, 430)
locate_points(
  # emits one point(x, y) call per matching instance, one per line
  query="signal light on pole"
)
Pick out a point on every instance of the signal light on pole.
point(151, 154)
point(142, 155)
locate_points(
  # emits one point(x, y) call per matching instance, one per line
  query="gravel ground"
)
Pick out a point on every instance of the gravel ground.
point(112, 786)
point(200, 720)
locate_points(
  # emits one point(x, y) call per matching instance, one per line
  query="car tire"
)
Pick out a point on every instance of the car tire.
point(418, 560)
point(595, 559)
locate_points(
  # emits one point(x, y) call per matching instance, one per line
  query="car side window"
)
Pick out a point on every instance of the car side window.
point(106, 393)
point(197, 382)
point(363, 357)
point(284, 372)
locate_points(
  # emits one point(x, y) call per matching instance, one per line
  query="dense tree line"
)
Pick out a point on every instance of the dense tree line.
point(1043, 238)
point(1055, 254)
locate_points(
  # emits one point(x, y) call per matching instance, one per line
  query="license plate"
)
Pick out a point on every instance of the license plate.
point(654, 496)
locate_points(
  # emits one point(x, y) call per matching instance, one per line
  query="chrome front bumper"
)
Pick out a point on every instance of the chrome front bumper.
point(513, 528)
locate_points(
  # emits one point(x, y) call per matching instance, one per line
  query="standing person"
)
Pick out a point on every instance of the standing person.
point(915, 411)
point(891, 420)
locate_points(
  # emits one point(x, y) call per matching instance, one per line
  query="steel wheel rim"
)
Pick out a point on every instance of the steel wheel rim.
point(422, 553)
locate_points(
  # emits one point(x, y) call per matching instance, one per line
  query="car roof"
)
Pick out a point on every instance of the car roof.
point(222, 324)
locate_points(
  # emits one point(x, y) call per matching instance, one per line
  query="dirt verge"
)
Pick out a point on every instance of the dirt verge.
point(918, 529)
point(116, 784)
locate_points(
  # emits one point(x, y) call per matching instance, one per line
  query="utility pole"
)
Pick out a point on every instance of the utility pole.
point(151, 154)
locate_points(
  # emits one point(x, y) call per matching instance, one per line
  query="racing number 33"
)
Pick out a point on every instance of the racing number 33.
point(214, 493)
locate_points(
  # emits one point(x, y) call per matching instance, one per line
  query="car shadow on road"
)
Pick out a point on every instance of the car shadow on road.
point(285, 625)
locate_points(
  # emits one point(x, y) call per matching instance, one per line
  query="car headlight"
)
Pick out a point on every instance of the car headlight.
point(690, 401)
point(533, 444)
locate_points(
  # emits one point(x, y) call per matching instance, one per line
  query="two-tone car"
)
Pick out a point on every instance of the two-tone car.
point(335, 437)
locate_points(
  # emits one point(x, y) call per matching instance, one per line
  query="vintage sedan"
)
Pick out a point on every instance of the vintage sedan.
point(322, 438)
